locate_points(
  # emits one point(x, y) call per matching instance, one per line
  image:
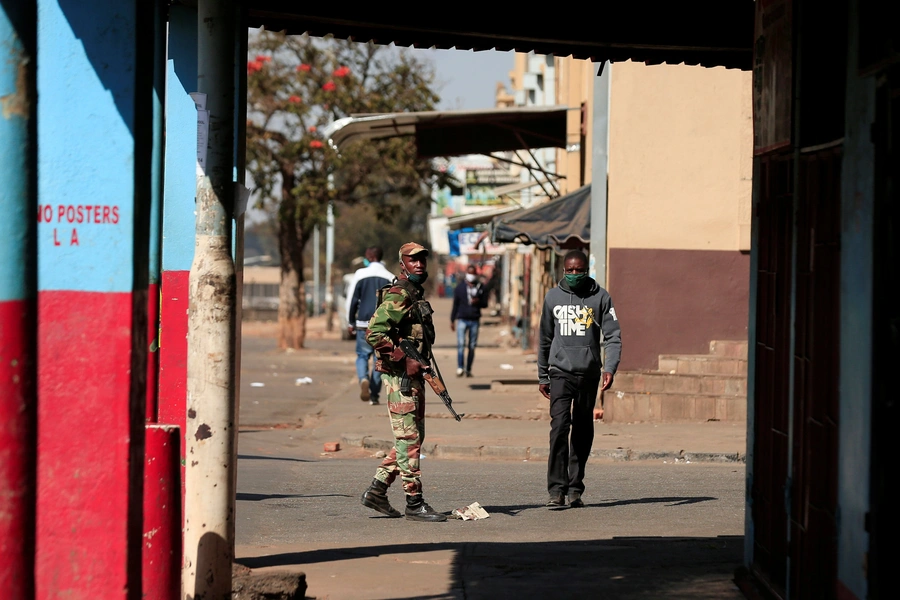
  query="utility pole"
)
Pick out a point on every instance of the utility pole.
point(210, 431)
point(317, 298)
point(329, 259)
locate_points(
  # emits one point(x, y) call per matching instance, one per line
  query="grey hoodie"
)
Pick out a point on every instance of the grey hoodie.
point(574, 326)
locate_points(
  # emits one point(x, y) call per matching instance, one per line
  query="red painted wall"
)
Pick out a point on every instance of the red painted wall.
point(677, 301)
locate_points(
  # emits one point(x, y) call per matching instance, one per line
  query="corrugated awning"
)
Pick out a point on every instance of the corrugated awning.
point(478, 218)
point(458, 132)
point(561, 223)
point(703, 32)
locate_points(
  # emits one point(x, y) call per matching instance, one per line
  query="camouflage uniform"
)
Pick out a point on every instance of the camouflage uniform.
point(402, 314)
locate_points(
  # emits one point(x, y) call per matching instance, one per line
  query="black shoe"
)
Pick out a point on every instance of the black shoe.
point(575, 500)
point(468, 373)
point(418, 510)
point(558, 499)
point(376, 498)
point(374, 401)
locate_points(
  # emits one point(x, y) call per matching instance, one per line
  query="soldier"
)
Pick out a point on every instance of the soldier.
point(403, 314)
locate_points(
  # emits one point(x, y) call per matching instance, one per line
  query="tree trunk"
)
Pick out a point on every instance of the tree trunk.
point(291, 293)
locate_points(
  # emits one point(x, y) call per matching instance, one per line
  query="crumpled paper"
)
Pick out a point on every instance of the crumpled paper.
point(472, 512)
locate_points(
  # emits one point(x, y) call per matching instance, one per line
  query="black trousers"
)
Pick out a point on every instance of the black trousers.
point(572, 400)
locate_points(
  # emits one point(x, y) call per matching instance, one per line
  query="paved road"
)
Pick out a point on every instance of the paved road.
point(649, 530)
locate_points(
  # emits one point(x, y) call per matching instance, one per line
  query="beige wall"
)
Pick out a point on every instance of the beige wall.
point(680, 144)
point(574, 85)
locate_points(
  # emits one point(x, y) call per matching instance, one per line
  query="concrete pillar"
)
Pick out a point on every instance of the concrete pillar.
point(179, 191)
point(18, 255)
point(210, 431)
point(156, 191)
point(161, 559)
point(94, 167)
point(599, 173)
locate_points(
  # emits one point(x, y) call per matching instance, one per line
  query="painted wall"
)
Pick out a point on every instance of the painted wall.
point(574, 85)
point(667, 302)
point(857, 224)
point(680, 158)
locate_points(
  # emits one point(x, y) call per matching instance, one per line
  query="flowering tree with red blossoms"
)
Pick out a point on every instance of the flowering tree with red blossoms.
point(296, 86)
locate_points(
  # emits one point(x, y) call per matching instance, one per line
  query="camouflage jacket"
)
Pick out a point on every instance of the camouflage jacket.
point(402, 314)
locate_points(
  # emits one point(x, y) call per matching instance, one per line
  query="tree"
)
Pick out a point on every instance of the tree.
point(296, 86)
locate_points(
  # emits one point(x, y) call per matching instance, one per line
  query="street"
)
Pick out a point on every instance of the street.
point(647, 530)
point(650, 529)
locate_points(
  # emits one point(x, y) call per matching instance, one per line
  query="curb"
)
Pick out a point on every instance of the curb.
point(450, 451)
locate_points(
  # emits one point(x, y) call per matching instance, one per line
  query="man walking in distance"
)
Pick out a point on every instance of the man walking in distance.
point(403, 314)
point(465, 316)
point(361, 299)
point(578, 318)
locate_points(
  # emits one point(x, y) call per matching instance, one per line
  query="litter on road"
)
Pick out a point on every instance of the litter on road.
point(303, 381)
point(257, 384)
point(472, 512)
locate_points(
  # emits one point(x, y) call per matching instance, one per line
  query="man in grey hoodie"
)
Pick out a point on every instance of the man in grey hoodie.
point(578, 319)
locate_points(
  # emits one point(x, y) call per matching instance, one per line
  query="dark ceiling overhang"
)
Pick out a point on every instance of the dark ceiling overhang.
point(704, 32)
point(564, 222)
point(458, 132)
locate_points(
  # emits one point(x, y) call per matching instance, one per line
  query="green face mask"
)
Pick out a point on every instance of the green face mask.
point(416, 278)
point(576, 280)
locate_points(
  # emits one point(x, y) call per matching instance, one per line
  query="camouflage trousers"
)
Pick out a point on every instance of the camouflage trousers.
point(408, 425)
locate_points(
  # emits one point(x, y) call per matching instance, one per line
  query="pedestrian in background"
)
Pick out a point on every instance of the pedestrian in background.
point(403, 314)
point(578, 320)
point(469, 298)
point(361, 300)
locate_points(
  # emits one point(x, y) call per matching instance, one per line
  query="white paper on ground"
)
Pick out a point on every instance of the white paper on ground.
point(472, 512)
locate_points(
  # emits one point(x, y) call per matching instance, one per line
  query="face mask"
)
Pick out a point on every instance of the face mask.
point(416, 278)
point(471, 277)
point(576, 280)
point(366, 262)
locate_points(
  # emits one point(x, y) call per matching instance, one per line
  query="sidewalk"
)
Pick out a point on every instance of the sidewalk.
point(505, 417)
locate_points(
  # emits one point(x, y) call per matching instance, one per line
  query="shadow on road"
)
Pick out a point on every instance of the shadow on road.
point(250, 457)
point(513, 510)
point(621, 567)
point(257, 497)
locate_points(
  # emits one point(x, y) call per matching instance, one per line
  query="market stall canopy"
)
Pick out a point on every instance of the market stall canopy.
point(562, 223)
point(703, 32)
point(458, 132)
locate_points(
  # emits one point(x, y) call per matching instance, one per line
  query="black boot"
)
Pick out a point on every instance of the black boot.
point(418, 510)
point(376, 498)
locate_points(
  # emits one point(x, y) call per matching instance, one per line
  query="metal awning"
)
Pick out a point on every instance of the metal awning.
point(703, 32)
point(458, 132)
point(561, 223)
point(478, 218)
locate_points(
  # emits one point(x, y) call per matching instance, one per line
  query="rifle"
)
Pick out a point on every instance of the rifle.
point(430, 376)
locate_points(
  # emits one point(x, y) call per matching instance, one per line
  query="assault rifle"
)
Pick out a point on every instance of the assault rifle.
point(430, 376)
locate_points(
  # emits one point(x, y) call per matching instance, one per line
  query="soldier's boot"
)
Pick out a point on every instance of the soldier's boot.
point(418, 510)
point(376, 498)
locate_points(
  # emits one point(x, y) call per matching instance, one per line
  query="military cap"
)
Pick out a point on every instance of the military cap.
point(412, 248)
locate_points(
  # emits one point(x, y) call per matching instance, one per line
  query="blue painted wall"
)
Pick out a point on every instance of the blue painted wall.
point(86, 170)
point(181, 141)
point(857, 225)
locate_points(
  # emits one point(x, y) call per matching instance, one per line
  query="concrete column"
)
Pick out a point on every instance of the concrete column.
point(18, 283)
point(156, 191)
point(161, 559)
point(94, 165)
point(179, 190)
point(857, 276)
point(599, 173)
point(210, 432)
